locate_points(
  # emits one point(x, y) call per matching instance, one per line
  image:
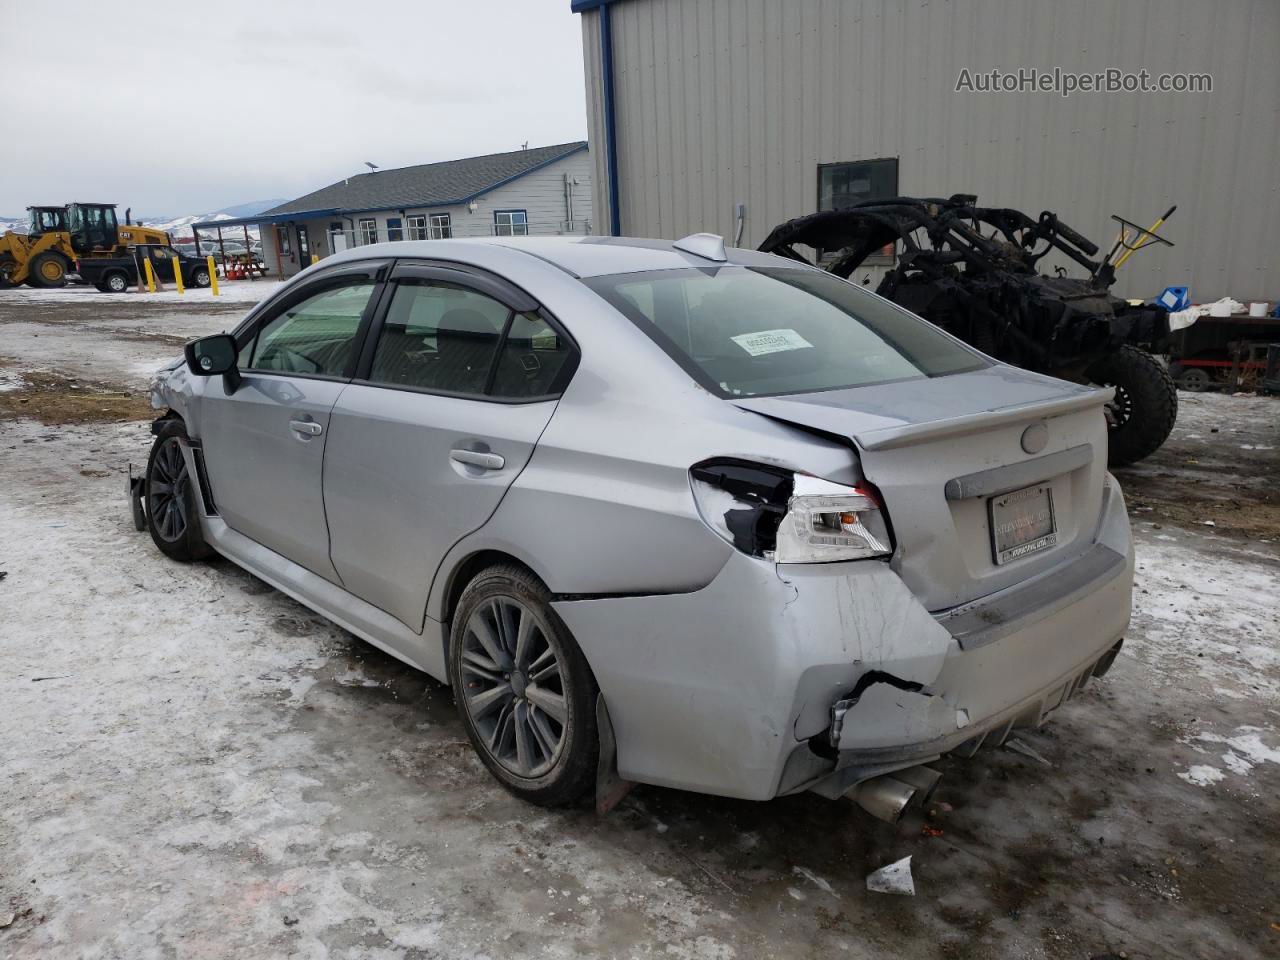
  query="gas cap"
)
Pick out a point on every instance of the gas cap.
point(1035, 437)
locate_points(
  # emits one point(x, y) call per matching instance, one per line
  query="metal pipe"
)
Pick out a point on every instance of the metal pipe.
point(884, 797)
point(610, 124)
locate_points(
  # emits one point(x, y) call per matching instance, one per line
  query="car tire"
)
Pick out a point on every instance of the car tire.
point(1195, 379)
point(114, 282)
point(170, 497)
point(200, 277)
point(8, 266)
point(1146, 404)
point(524, 690)
point(47, 270)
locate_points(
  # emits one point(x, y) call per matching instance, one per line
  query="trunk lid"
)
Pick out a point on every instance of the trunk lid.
point(941, 449)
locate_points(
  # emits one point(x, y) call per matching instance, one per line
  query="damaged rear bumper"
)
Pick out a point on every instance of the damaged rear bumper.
point(775, 679)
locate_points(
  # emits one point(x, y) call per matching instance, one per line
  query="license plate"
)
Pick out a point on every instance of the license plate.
point(1022, 523)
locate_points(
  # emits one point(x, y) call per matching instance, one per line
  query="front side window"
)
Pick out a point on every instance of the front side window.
point(438, 337)
point(510, 223)
point(315, 337)
point(747, 331)
point(368, 231)
point(394, 230)
point(441, 226)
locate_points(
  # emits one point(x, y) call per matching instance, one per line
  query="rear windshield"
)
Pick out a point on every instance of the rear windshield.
point(758, 331)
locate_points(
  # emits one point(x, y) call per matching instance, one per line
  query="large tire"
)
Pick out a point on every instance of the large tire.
point(7, 267)
point(170, 497)
point(1145, 407)
point(200, 277)
point(47, 270)
point(528, 705)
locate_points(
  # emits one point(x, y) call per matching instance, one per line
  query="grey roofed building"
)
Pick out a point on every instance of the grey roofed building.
point(427, 184)
point(529, 192)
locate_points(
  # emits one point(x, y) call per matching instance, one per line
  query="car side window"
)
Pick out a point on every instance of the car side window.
point(439, 337)
point(315, 337)
point(532, 357)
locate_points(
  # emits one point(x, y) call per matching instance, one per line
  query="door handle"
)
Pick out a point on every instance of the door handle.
point(309, 427)
point(474, 458)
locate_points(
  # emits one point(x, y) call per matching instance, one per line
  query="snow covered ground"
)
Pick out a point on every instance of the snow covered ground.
point(196, 766)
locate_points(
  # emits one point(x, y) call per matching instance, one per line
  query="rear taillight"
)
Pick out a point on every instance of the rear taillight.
point(826, 521)
point(789, 517)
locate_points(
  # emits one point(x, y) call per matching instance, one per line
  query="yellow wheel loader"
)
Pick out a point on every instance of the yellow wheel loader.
point(57, 236)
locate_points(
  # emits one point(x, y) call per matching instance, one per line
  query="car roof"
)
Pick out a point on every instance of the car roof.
point(578, 256)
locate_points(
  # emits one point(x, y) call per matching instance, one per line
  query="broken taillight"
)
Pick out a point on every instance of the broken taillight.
point(789, 517)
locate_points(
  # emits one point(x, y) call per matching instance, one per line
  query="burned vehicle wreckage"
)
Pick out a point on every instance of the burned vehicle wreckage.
point(973, 272)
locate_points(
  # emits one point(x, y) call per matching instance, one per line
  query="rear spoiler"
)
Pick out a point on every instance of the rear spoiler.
point(889, 438)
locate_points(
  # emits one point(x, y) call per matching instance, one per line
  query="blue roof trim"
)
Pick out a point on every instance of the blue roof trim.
point(582, 6)
point(262, 218)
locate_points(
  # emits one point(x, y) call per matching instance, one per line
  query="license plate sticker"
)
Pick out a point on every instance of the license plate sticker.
point(1022, 523)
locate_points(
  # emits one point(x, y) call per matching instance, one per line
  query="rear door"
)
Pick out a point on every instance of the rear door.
point(264, 443)
point(459, 379)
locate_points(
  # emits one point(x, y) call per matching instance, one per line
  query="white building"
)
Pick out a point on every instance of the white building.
point(537, 191)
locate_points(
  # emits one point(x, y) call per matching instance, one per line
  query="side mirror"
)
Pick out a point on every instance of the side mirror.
point(214, 356)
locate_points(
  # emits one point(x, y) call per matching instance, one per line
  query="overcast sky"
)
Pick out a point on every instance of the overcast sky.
point(178, 108)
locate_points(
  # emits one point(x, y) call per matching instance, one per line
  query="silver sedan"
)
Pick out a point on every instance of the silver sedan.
point(658, 512)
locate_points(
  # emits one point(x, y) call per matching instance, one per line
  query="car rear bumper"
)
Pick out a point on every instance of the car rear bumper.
point(780, 678)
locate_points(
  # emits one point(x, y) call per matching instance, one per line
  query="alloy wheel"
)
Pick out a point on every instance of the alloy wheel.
point(167, 491)
point(514, 686)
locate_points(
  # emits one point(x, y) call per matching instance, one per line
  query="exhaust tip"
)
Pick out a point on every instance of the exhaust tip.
point(884, 797)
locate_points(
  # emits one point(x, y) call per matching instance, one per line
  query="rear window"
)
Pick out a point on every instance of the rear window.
point(759, 331)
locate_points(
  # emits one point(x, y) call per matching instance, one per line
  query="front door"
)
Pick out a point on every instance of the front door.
point(264, 444)
point(422, 448)
point(304, 248)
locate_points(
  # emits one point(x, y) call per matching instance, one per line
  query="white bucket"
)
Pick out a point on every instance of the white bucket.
point(1257, 309)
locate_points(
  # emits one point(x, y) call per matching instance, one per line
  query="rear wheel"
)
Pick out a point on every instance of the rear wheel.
point(200, 277)
point(114, 282)
point(1145, 406)
point(48, 270)
point(169, 495)
point(524, 691)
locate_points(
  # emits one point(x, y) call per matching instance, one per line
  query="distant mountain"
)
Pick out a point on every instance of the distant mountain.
point(181, 226)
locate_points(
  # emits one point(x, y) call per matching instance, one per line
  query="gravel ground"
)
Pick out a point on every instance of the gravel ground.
point(196, 766)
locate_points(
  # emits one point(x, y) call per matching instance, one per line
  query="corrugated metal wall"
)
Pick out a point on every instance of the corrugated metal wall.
point(727, 101)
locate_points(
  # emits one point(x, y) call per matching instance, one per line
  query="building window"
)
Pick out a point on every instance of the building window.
point(841, 185)
point(285, 249)
point(441, 226)
point(417, 228)
point(393, 229)
point(510, 223)
point(368, 231)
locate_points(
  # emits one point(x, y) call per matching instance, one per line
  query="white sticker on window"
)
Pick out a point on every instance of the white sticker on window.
point(770, 341)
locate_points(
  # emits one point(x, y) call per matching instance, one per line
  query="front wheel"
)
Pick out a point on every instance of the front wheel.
point(47, 270)
point(524, 690)
point(1141, 416)
point(170, 497)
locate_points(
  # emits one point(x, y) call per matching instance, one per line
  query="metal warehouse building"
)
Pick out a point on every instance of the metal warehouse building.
point(696, 107)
